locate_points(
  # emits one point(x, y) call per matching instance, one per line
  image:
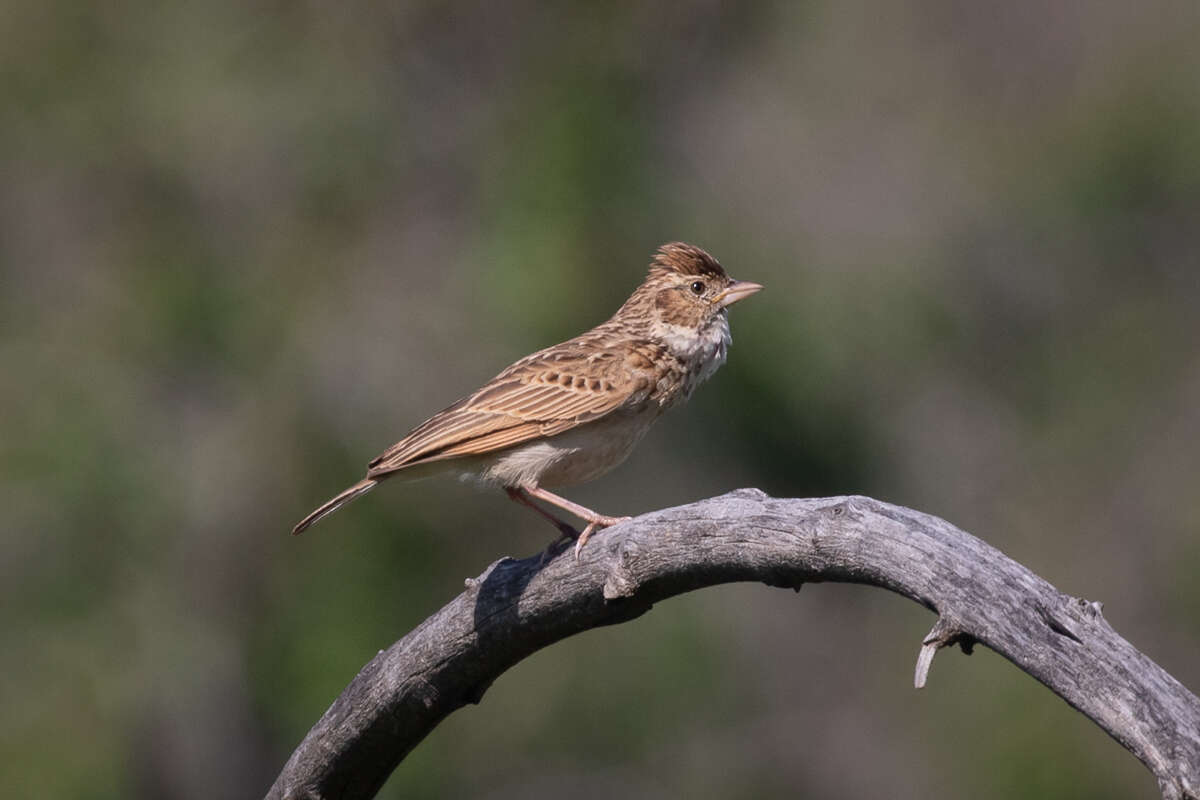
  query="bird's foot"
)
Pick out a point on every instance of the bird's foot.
point(594, 525)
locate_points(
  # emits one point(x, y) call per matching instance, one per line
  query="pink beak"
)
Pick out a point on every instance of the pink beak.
point(738, 290)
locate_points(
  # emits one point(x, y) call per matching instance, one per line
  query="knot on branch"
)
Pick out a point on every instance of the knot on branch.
point(1072, 615)
point(1056, 624)
point(473, 585)
point(621, 581)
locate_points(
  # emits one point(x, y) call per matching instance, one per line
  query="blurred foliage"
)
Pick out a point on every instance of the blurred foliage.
point(245, 246)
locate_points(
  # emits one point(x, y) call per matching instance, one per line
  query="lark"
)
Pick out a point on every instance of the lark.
point(570, 413)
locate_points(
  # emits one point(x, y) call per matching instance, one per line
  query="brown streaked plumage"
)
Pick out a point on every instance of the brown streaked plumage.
point(572, 412)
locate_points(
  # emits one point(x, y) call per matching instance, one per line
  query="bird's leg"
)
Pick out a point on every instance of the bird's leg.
point(565, 529)
point(594, 521)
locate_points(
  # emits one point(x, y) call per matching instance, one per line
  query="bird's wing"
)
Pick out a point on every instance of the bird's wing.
point(544, 394)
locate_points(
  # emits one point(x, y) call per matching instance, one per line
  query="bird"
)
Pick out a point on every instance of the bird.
point(569, 413)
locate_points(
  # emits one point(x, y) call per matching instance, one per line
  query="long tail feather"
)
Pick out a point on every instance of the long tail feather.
point(332, 505)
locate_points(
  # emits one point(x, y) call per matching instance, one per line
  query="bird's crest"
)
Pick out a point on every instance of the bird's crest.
point(685, 259)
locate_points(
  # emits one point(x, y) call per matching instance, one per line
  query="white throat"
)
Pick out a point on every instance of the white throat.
point(703, 351)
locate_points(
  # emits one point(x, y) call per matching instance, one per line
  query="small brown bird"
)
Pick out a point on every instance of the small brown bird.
point(572, 412)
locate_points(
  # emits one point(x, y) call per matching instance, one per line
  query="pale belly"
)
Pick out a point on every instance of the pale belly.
point(577, 456)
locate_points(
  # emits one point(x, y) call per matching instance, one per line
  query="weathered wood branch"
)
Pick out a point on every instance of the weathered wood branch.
point(517, 607)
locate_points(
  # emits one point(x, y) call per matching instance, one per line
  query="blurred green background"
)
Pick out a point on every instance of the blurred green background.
point(245, 246)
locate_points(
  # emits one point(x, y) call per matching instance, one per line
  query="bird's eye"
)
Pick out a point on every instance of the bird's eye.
point(697, 287)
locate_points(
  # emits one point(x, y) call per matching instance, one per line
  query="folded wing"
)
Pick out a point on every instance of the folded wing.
point(542, 395)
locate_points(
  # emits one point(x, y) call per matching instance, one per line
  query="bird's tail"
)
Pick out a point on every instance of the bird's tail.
point(333, 504)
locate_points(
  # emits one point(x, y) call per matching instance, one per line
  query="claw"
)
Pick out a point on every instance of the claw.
point(583, 537)
point(592, 527)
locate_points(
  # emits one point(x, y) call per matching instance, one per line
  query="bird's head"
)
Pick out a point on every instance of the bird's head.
point(688, 288)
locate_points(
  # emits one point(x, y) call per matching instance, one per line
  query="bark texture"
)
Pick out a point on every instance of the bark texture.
point(517, 607)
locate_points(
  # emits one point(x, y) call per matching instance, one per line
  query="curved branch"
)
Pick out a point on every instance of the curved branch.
point(518, 607)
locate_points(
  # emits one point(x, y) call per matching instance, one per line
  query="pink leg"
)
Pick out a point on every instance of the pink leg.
point(519, 496)
point(594, 521)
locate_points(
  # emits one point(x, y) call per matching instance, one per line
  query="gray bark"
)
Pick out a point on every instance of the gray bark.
point(517, 607)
